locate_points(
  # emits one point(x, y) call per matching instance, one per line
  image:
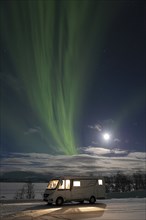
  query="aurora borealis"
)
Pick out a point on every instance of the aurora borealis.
point(44, 39)
point(57, 71)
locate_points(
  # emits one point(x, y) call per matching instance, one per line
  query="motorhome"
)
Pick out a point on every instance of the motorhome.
point(70, 188)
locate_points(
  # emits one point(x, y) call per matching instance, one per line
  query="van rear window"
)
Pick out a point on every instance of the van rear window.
point(100, 182)
point(76, 183)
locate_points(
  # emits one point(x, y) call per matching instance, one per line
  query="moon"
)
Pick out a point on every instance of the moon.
point(106, 136)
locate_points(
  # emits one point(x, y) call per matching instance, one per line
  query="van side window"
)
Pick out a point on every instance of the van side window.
point(65, 184)
point(100, 182)
point(62, 185)
point(76, 183)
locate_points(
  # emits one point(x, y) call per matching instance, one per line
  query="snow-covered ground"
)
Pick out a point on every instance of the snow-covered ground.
point(112, 209)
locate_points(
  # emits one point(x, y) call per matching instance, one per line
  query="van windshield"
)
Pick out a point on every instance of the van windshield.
point(52, 184)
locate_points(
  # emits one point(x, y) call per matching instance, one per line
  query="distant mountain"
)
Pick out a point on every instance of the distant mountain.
point(21, 176)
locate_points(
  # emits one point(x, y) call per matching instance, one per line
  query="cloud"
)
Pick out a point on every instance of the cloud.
point(97, 127)
point(32, 131)
point(104, 151)
point(97, 150)
point(117, 140)
point(138, 155)
point(118, 151)
point(93, 161)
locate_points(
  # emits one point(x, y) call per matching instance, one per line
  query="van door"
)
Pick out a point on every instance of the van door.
point(77, 192)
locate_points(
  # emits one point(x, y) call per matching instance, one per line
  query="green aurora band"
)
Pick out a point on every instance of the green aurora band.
point(50, 44)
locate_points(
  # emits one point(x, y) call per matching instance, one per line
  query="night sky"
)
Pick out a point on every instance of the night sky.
point(71, 70)
point(117, 91)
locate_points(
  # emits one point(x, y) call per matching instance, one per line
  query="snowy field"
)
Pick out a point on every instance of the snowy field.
point(112, 209)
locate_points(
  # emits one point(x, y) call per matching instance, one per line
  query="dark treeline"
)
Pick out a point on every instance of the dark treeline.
point(125, 183)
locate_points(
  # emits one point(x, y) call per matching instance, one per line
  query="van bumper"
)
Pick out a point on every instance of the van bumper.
point(47, 199)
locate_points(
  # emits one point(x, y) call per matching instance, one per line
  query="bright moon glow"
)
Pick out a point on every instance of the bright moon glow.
point(106, 136)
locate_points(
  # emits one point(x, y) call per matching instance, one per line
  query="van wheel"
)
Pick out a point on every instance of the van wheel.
point(92, 200)
point(59, 201)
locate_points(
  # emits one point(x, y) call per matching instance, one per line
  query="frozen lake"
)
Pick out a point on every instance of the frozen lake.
point(9, 190)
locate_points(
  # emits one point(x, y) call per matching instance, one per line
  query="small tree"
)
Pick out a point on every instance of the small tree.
point(29, 187)
point(20, 194)
point(27, 192)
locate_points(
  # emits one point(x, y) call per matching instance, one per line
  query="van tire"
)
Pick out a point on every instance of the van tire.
point(59, 201)
point(92, 200)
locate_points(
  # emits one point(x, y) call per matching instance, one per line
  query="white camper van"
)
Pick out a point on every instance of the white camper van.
point(66, 189)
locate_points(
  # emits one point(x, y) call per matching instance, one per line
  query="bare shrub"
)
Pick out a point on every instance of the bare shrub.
point(27, 192)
